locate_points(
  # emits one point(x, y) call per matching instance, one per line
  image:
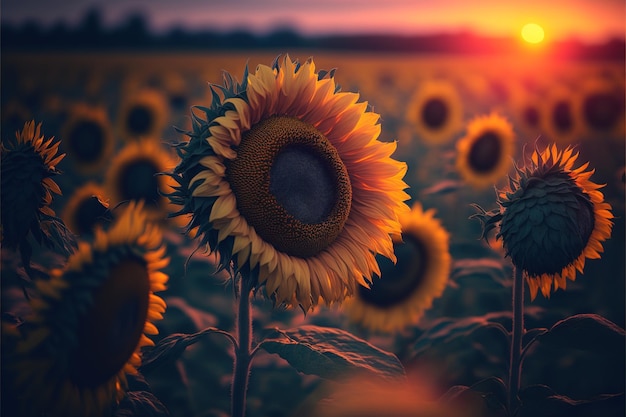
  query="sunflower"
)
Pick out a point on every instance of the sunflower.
point(132, 175)
point(483, 154)
point(406, 289)
point(90, 321)
point(436, 111)
point(86, 208)
point(551, 219)
point(143, 114)
point(88, 138)
point(286, 179)
point(28, 163)
point(559, 120)
point(600, 105)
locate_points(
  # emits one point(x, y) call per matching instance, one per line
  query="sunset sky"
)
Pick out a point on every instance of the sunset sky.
point(587, 20)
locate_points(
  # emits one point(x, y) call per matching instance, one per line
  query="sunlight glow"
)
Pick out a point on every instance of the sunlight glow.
point(532, 33)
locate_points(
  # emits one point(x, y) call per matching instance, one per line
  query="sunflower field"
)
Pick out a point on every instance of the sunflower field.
point(312, 233)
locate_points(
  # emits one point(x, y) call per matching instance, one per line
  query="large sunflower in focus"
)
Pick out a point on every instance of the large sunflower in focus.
point(406, 289)
point(28, 163)
point(88, 138)
point(551, 219)
point(484, 153)
point(91, 320)
point(436, 112)
point(284, 176)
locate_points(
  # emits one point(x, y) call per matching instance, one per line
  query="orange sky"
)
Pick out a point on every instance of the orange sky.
point(588, 20)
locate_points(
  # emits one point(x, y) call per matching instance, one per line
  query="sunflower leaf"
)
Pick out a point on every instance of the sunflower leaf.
point(448, 329)
point(331, 353)
point(600, 335)
point(542, 401)
point(172, 347)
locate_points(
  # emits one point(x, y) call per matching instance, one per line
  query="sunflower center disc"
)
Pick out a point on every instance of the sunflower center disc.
point(562, 116)
point(86, 141)
point(137, 181)
point(398, 282)
point(139, 120)
point(110, 330)
point(291, 185)
point(485, 152)
point(602, 110)
point(435, 113)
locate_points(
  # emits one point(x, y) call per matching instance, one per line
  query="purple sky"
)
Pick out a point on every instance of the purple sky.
point(591, 20)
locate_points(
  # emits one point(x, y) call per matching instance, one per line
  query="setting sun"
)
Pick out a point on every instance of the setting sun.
point(532, 33)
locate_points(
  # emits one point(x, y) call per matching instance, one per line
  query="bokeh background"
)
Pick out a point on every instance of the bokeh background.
point(119, 70)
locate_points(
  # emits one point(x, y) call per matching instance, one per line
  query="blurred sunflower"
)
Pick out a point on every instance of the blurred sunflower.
point(559, 121)
point(28, 163)
point(85, 209)
point(600, 104)
point(406, 289)
point(286, 179)
point(88, 138)
point(143, 114)
point(484, 153)
point(436, 111)
point(133, 175)
point(551, 218)
point(90, 322)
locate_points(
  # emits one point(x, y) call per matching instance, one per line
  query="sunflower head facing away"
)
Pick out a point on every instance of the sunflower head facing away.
point(284, 177)
point(551, 218)
point(484, 153)
point(90, 321)
point(407, 288)
point(28, 163)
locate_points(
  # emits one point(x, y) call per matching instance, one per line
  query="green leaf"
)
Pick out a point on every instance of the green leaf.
point(589, 332)
point(172, 347)
point(331, 353)
point(446, 330)
point(542, 401)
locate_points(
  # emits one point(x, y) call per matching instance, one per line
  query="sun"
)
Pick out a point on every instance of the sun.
point(532, 33)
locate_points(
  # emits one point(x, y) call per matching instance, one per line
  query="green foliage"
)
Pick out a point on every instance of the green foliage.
point(331, 353)
point(589, 332)
point(447, 330)
point(542, 401)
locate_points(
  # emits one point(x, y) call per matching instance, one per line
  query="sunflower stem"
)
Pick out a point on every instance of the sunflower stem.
point(515, 364)
point(243, 355)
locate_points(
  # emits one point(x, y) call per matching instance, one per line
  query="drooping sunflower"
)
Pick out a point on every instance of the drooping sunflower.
point(28, 163)
point(88, 138)
point(133, 175)
point(143, 114)
point(91, 321)
point(551, 218)
point(86, 208)
point(286, 179)
point(484, 153)
point(406, 289)
point(436, 111)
